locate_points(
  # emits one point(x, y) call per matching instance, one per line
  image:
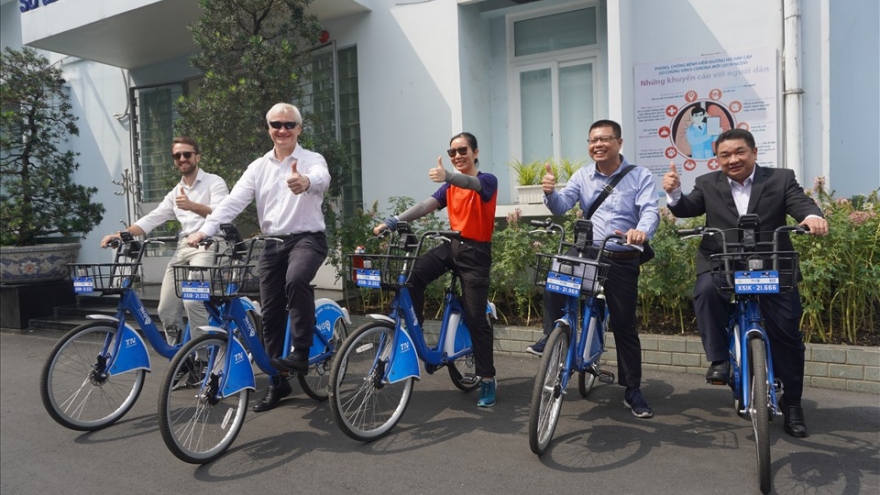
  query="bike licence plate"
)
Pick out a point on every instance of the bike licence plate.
point(756, 282)
point(368, 278)
point(195, 291)
point(563, 284)
point(82, 285)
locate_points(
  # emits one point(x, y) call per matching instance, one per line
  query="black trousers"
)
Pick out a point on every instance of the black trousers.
point(782, 317)
point(621, 295)
point(471, 261)
point(286, 272)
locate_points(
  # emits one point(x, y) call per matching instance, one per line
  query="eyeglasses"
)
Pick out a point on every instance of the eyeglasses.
point(278, 125)
point(185, 154)
point(602, 139)
point(461, 150)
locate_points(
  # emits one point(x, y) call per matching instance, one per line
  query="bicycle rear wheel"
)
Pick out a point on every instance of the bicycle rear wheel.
point(760, 409)
point(316, 383)
point(197, 423)
point(75, 386)
point(364, 406)
point(547, 393)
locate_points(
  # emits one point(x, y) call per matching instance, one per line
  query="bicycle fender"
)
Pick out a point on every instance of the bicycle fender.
point(327, 313)
point(381, 318)
point(240, 374)
point(404, 361)
point(133, 354)
point(251, 305)
point(491, 310)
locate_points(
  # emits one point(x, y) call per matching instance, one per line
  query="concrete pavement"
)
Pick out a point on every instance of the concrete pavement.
point(695, 444)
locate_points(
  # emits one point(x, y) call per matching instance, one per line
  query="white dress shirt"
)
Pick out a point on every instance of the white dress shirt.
point(279, 210)
point(207, 189)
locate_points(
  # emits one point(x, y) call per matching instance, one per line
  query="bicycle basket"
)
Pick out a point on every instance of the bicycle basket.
point(107, 278)
point(374, 271)
point(570, 275)
point(225, 281)
point(767, 272)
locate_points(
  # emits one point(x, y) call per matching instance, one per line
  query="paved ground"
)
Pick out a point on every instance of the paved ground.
point(694, 445)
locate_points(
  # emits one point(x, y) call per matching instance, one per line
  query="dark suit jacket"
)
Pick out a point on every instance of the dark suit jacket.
point(775, 194)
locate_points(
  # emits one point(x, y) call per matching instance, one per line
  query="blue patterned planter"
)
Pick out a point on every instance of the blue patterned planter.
point(40, 263)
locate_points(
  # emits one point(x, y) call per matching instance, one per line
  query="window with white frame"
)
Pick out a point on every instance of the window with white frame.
point(553, 64)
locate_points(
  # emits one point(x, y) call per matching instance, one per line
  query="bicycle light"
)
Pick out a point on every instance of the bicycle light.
point(756, 264)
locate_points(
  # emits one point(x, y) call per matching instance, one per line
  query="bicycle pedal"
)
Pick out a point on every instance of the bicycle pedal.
point(716, 382)
point(606, 377)
point(469, 379)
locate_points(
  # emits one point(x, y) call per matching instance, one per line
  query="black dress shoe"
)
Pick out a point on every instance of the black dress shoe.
point(279, 388)
point(293, 362)
point(719, 373)
point(794, 421)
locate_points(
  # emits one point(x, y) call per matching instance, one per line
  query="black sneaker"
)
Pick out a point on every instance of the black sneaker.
point(538, 347)
point(632, 399)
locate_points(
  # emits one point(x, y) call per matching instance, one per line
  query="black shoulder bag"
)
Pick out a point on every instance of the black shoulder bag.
point(648, 253)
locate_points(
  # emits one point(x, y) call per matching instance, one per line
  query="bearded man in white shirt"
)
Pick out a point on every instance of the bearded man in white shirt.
point(189, 202)
point(288, 184)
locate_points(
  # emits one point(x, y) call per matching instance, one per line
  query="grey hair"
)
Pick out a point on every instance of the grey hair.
point(285, 108)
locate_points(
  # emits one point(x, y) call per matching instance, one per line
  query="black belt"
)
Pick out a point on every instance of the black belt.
point(620, 255)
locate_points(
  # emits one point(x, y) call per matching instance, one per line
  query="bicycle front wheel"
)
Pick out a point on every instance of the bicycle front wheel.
point(547, 393)
point(760, 409)
point(197, 422)
point(316, 383)
point(76, 387)
point(364, 406)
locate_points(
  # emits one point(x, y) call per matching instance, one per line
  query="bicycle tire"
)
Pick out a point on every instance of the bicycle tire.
point(197, 424)
point(364, 407)
point(760, 409)
point(75, 391)
point(547, 393)
point(587, 379)
point(316, 383)
point(468, 380)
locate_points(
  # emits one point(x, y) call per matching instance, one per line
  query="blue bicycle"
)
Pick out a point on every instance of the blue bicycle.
point(579, 276)
point(747, 269)
point(199, 422)
point(371, 379)
point(95, 373)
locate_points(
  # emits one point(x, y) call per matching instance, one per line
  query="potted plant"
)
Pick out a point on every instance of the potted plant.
point(529, 176)
point(39, 202)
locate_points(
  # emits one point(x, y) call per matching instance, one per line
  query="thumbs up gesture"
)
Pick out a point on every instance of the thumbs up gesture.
point(297, 182)
point(182, 200)
point(548, 181)
point(671, 181)
point(438, 174)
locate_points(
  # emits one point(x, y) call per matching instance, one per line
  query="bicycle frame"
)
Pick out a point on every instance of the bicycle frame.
point(578, 358)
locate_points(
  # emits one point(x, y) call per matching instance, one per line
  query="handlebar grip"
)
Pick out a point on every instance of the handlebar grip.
point(167, 238)
point(687, 232)
point(541, 223)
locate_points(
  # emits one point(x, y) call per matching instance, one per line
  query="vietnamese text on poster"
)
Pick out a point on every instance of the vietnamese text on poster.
point(683, 105)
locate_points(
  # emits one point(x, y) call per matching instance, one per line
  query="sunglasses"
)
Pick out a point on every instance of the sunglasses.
point(462, 150)
point(278, 125)
point(185, 154)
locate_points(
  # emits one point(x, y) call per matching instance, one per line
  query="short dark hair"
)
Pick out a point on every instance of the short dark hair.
point(698, 108)
point(732, 134)
point(186, 140)
point(615, 127)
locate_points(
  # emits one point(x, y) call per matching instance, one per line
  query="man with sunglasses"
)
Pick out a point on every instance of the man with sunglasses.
point(189, 202)
point(288, 184)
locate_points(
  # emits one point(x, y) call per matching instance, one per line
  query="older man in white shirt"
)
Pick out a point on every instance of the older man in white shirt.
point(288, 184)
point(189, 202)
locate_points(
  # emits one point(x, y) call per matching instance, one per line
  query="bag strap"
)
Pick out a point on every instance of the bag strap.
point(607, 190)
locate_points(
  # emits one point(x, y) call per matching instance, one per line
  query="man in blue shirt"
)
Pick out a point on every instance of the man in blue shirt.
point(630, 210)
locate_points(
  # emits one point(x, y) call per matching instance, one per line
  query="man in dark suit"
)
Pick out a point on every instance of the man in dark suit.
point(742, 187)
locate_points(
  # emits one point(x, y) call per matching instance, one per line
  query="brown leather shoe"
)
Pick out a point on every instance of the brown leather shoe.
point(279, 388)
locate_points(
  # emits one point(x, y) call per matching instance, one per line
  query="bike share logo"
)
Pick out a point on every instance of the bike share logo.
point(324, 327)
point(146, 316)
point(250, 327)
point(404, 347)
point(130, 342)
point(239, 357)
